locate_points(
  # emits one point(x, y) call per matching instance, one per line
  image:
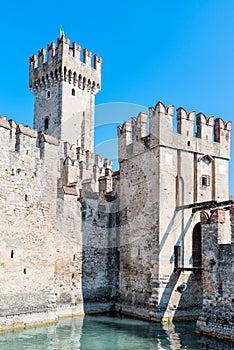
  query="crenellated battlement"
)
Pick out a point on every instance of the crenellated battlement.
point(64, 85)
point(20, 138)
point(79, 166)
point(86, 170)
point(4, 123)
point(213, 134)
point(62, 62)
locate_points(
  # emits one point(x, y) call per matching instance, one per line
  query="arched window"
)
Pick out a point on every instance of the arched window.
point(65, 73)
point(89, 85)
point(69, 76)
point(80, 81)
point(197, 255)
point(74, 78)
point(46, 123)
point(84, 83)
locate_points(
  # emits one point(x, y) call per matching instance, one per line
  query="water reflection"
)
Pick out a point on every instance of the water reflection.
point(104, 332)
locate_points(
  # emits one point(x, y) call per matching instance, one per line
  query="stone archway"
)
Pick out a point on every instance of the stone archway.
point(197, 255)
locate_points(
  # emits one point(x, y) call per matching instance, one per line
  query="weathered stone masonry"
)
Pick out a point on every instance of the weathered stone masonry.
point(78, 237)
point(28, 180)
point(53, 254)
point(218, 294)
point(160, 174)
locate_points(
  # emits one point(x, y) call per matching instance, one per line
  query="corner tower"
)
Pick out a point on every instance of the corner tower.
point(64, 88)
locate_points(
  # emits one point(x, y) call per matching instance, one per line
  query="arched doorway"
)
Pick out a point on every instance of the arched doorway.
point(197, 256)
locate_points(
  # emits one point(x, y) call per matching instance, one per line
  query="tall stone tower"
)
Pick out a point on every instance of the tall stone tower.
point(64, 88)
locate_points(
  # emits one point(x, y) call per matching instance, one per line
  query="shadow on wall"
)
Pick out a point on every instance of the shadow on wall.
point(182, 296)
point(99, 255)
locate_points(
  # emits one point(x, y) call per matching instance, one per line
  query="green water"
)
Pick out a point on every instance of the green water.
point(109, 333)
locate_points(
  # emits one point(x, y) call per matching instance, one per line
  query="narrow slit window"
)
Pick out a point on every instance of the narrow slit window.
point(48, 94)
point(177, 256)
point(25, 271)
point(26, 197)
point(12, 254)
point(139, 252)
point(46, 123)
point(196, 246)
point(73, 92)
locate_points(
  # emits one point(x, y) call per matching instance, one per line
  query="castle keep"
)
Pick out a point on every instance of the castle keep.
point(154, 239)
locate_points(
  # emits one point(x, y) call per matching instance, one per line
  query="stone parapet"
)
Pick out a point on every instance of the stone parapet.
point(213, 136)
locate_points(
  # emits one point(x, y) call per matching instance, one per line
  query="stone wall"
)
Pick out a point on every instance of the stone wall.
point(99, 268)
point(58, 241)
point(217, 314)
point(161, 175)
point(138, 232)
point(68, 255)
point(28, 182)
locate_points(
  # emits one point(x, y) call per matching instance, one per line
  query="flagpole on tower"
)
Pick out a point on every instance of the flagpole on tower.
point(61, 31)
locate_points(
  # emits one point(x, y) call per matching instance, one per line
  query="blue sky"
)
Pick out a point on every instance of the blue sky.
point(180, 52)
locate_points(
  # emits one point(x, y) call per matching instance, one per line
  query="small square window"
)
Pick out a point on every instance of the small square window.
point(205, 181)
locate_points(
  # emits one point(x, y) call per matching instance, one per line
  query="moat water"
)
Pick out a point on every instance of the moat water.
point(105, 332)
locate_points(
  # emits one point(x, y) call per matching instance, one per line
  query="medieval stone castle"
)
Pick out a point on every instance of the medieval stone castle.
point(154, 239)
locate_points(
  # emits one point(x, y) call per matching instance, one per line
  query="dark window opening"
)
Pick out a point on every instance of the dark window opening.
point(188, 143)
point(74, 257)
point(46, 123)
point(65, 73)
point(205, 181)
point(25, 271)
point(12, 254)
point(73, 92)
point(26, 197)
point(139, 251)
point(197, 255)
point(48, 94)
point(177, 256)
point(72, 275)
point(220, 289)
